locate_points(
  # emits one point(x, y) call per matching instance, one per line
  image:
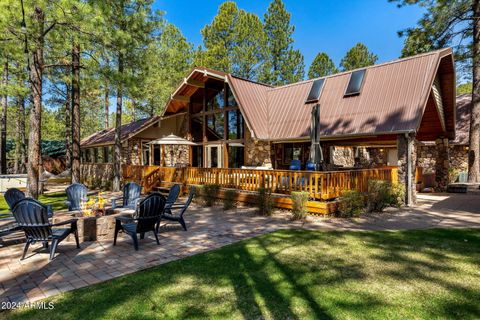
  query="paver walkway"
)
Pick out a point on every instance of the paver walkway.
point(36, 277)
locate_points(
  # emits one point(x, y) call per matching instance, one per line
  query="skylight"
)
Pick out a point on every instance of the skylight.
point(355, 83)
point(315, 90)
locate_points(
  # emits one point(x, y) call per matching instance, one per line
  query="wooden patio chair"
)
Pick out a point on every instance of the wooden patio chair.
point(145, 219)
point(130, 198)
point(32, 217)
point(76, 194)
point(182, 207)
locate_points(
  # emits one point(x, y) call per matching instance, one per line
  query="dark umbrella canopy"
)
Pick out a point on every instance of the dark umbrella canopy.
point(316, 154)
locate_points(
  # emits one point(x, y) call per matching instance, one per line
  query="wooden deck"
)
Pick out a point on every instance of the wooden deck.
point(321, 186)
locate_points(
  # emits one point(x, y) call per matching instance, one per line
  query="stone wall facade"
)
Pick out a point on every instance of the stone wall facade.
point(442, 164)
point(131, 152)
point(258, 153)
point(176, 156)
point(342, 156)
point(403, 148)
point(458, 159)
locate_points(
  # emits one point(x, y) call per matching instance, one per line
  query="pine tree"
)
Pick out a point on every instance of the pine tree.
point(283, 64)
point(358, 57)
point(234, 42)
point(322, 66)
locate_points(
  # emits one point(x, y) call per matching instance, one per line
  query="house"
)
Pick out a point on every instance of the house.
point(371, 117)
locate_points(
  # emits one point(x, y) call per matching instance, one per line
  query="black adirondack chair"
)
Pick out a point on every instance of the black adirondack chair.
point(76, 194)
point(13, 195)
point(178, 217)
point(131, 196)
point(32, 217)
point(171, 198)
point(146, 216)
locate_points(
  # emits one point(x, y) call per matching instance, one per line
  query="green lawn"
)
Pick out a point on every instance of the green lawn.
point(298, 275)
point(56, 199)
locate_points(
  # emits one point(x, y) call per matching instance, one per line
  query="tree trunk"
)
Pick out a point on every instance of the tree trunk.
point(76, 113)
point(474, 146)
point(36, 76)
point(20, 139)
point(117, 155)
point(68, 129)
point(3, 122)
point(107, 105)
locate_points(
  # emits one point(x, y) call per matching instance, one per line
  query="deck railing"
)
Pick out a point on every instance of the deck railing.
point(320, 185)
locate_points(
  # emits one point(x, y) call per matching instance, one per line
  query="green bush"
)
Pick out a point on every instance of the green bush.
point(264, 201)
point(352, 203)
point(199, 192)
point(210, 194)
point(229, 199)
point(382, 194)
point(299, 206)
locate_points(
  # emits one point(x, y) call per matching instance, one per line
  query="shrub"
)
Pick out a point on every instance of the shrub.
point(382, 194)
point(264, 201)
point(299, 206)
point(199, 199)
point(229, 199)
point(397, 195)
point(352, 203)
point(210, 194)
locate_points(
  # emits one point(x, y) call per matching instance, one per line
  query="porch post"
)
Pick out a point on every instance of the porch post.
point(442, 164)
point(406, 166)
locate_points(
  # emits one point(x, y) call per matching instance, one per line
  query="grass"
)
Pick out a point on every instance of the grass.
point(56, 199)
point(297, 274)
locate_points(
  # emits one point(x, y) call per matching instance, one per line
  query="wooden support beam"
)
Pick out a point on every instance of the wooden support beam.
point(194, 83)
point(181, 98)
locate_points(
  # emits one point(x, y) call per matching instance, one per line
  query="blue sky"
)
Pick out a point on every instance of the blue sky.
point(332, 26)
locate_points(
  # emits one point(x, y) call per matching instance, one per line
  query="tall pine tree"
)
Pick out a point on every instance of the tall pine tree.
point(283, 64)
point(358, 57)
point(322, 66)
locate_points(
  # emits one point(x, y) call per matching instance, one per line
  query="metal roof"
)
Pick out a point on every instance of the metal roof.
point(392, 100)
point(107, 136)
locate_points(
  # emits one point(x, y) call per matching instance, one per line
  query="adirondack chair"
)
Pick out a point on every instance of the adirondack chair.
point(168, 215)
point(32, 217)
point(147, 215)
point(76, 194)
point(131, 196)
point(171, 198)
point(13, 195)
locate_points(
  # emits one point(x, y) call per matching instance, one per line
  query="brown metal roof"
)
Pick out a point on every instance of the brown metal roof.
point(392, 100)
point(107, 136)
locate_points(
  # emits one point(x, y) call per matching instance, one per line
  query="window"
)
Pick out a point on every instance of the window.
point(355, 82)
point(315, 90)
point(110, 154)
point(216, 99)
point(88, 158)
point(235, 155)
point(157, 155)
point(197, 156)
point(145, 153)
point(230, 98)
point(95, 155)
point(197, 129)
point(235, 125)
point(291, 152)
point(215, 126)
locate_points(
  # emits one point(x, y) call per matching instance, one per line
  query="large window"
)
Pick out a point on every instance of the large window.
point(236, 156)
point(197, 156)
point(215, 126)
point(216, 99)
point(100, 155)
point(235, 125)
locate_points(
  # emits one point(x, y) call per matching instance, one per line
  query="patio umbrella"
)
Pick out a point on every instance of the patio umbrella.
point(173, 140)
point(316, 154)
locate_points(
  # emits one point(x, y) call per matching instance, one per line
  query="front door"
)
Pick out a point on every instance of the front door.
point(214, 156)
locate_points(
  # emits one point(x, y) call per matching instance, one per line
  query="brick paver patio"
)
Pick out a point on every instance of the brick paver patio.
point(36, 277)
